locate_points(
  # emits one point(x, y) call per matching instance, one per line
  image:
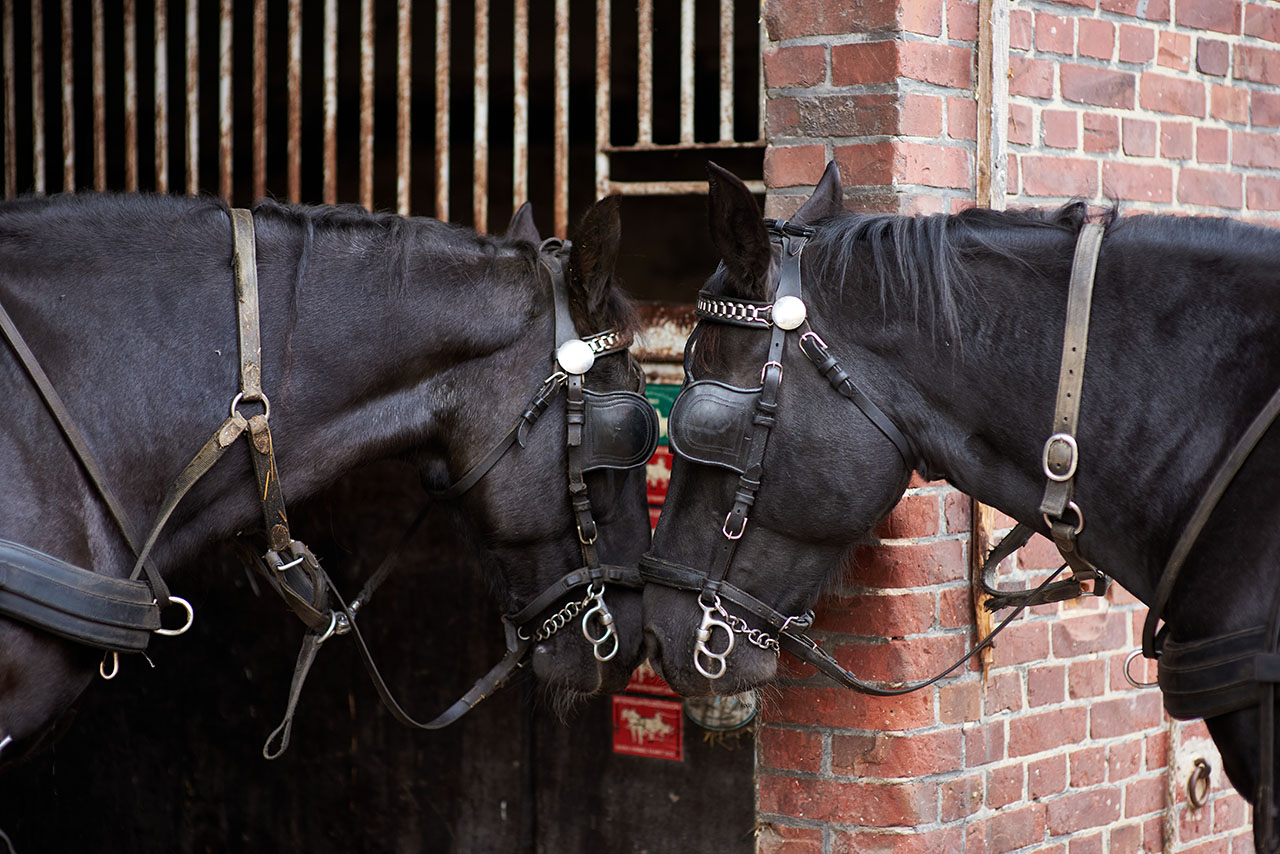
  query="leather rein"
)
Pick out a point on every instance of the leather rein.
point(119, 614)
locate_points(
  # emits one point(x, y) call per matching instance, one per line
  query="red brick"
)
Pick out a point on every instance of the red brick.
point(1134, 713)
point(1262, 193)
point(1021, 642)
point(797, 18)
point(776, 838)
point(866, 163)
point(1074, 636)
point(943, 65)
point(1087, 678)
point(1255, 149)
point(863, 63)
point(955, 608)
point(962, 118)
point(1101, 132)
point(1036, 733)
point(905, 660)
point(1014, 175)
point(790, 749)
point(1228, 813)
point(1211, 145)
point(1229, 103)
point(1171, 95)
point(1059, 128)
point(897, 842)
point(1264, 109)
point(983, 744)
point(1004, 786)
point(1139, 137)
point(1020, 29)
point(828, 705)
point(958, 510)
point(881, 755)
point(1120, 7)
point(962, 20)
point(1046, 777)
point(1032, 78)
point(1126, 837)
point(1011, 829)
point(1003, 694)
point(1258, 64)
point(1098, 86)
point(1137, 44)
point(1054, 34)
point(794, 165)
point(909, 565)
point(1222, 16)
point(1213, 57)
point(1123, 760)
point(1020, 124)
point(959, 798)
point(1039, 553)
point(822, 116)
point(866, 804)
point(1088, 767)
point(805, 65)
point(1155, 10)
point(1174, 51)
point(1096, 38)
point(1177, 142)
point(1076, 811)
point(1262, 22)
point(921, 115)
point(914, 516)
point(878, 614)
point(921, 16)
point(1156, 749)
point(1059, 176)
point(1046, 684)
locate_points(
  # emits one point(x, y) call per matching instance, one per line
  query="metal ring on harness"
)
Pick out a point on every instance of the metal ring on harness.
point(191, 617)
point(266, 404)
point(1134, 682)
point(1075, 508)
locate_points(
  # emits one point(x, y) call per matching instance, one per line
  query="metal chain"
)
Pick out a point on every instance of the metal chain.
point(561, 618)
point(758, 636)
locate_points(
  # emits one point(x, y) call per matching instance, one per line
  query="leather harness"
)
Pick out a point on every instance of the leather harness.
point(120, 614)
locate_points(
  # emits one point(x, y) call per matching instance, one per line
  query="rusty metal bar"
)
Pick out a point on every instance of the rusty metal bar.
point(193, 96)
point(259, 99)
point(293, 133)
point(38, 152)
point(604, 104)
point(520, 108)
point(561, 153)
point(686, 71)
point(225, 98)
point(726, 70)
point(404, 102)
point(480, 135)
point(330, 106)
point(68, 102)
point(644, 79)
point(99, 84)
point(10, 114)
point(761, 38)
point(366, 103)
point(129, 13)
point(442, 106)
point(670, 188)
point(162, 96)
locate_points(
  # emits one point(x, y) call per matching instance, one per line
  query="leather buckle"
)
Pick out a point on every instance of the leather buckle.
point(1060, 456)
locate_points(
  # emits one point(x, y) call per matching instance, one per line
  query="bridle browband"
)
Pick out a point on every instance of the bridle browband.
point(120, 614)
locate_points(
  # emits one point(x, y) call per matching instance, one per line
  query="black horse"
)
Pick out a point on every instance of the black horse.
point(947, 334)
point(382, 336)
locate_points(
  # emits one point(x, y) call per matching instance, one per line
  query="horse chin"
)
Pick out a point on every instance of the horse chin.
point(567, 662)
point(746, 667)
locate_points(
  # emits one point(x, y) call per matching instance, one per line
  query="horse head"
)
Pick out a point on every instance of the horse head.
point(761, 509)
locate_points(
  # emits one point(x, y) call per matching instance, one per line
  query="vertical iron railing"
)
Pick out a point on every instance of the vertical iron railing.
point(318, 53)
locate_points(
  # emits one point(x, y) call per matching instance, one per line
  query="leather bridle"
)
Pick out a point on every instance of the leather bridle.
point(119, 614)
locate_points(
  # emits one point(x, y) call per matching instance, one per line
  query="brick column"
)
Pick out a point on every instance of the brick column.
point(1054, 752)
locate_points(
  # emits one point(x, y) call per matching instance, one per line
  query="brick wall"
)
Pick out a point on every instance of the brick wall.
point(1165, 105)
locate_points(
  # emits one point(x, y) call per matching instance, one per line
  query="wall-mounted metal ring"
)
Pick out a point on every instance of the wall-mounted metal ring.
point(1134, 682)
point(1199, 783)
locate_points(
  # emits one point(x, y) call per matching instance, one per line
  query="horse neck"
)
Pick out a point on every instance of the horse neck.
point(356, 368)
point(1174, 372)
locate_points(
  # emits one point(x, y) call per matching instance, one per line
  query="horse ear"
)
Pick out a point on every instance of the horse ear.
point(737, 231)
point(827, 198)
point(522, 227)
point(593, 254)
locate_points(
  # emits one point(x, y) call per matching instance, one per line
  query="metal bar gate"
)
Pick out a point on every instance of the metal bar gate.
point(365, 100)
